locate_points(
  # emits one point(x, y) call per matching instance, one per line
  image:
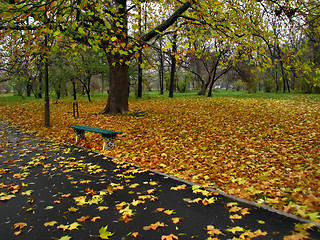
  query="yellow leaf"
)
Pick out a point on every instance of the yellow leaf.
point(236, 216)
point(180, 187)
point(19, 225)
point(52, 223)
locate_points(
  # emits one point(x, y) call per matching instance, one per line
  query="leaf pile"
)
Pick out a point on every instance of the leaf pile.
point(265, 150)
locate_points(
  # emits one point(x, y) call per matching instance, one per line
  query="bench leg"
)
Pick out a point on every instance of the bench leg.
point(80, 135)
point(108, 142)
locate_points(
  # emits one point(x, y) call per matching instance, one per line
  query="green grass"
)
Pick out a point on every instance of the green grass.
point(11, 99)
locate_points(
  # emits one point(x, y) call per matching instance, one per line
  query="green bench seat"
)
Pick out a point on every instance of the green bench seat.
point(107, 135)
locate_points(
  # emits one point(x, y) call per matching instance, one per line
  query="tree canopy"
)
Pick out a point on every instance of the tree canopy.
point(111, 27)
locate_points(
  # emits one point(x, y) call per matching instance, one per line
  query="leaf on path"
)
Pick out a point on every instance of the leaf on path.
point(212, 231)
point(95, 219)
point(70, 227)
point(134, 185)
point(83, 218)
point(180, 187)
point(176, 220)
point(104, 233)
point(209, 201)
point(135, 234)
point(169, 237)
point(169, 212)
point(19, 226)
point(231, 204)
point(100, 208)
point(154, 226)
point(66, 195)
point(65, 238)
point(236, 229)
point(235, 216)
point(73, 209)
point(52, 223)
point(28, 193)
point(235, 209)
point(137, 202)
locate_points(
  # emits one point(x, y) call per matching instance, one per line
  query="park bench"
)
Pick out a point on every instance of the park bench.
point(107, 135)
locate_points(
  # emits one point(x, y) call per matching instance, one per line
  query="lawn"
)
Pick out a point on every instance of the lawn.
point(260, 147)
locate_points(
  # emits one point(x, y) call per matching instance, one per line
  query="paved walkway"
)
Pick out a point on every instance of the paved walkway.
point(50, 191)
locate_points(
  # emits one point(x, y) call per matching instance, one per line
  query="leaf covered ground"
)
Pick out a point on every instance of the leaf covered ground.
point(266, 150)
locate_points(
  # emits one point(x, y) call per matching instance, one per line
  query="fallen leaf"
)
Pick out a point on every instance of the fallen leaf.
point(235, 216)
point(176, 220)
point(104, 233)
point(154, 226)
point(169, 212)
point(19, 225)
point(235, 229)
point(83, 218)
point(52, 223)
point(73, 209)
point(100, 208)
point(95, 219)
point(169, 237)
point(135, 234)
point(180, 187)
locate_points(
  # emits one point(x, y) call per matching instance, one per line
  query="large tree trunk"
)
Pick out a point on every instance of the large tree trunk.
point(119, 87)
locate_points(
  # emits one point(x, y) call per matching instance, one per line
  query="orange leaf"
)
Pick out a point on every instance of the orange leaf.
point(135, 234)
point(169, 237)
point(154, 226)
point(83, 218)
point(95, 219)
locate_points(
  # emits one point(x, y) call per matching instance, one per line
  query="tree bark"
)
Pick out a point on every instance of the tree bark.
point(173, 65)
point(119, 87)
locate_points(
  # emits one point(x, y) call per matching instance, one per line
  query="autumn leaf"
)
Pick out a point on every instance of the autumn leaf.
point(126, 218)
point(236, 229)
point(52, 223)
point(176, 220)
point(19, 226)
point(212, 231)
point(73, 209)
point(160, 209)
point(153, 183)
point(66, 195)
point(169, 212)
point(235, 209)
point(65, 238)
point(95, 219)
point(72, 226)
point(180, 187)
point(235, 216)
point(134, 185)
point(104, 233)
point(156, 225)
point(28, 192)
point(135, 234)
point(209, 201)
point(83, 218)
point(169, 237)
point(100, 208)
point(244, 211)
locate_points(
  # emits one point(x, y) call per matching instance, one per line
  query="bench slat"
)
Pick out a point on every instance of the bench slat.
point(96, 130)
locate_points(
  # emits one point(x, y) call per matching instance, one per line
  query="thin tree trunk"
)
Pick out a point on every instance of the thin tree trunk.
point(46, 79)
point(161, 82)
point(173, 65)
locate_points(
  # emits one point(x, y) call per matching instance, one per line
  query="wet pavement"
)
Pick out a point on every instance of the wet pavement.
point(55, 191)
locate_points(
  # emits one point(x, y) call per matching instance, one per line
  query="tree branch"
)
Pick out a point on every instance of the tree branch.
point(167, 23)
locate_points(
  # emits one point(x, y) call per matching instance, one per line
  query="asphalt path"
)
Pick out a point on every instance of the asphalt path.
point(61, 191)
